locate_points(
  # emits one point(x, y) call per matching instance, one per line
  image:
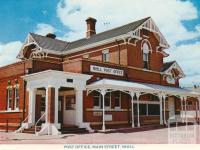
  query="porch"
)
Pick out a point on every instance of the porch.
point(51, 88)
point(165, 96)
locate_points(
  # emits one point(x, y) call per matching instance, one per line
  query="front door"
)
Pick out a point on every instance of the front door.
point(171, 106)
point(70, 110)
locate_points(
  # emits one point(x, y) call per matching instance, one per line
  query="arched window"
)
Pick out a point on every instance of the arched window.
point(145, 49)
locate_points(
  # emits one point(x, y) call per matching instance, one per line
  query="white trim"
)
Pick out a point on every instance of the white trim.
point(133, 34)
point(109, 96)
point(10, 111)
point(145, 41)
point(8, 99)
point(125, 86)
point(99, 97)
point(174, 65)
point(120, 98)
point(15, 100)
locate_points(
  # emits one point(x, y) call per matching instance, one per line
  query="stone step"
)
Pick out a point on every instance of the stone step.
point(73, 130)
point(31, 130)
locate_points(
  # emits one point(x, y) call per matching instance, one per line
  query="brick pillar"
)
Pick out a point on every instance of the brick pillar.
point(38, 107)
point(51, 105)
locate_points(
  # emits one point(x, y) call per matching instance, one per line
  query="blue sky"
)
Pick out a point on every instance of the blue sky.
point(19, 17)
point(178, 20)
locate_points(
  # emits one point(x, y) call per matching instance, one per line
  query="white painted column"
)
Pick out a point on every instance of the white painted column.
point(132, 109)
point(32, 97)
point(56, 106)
point(46, 105)
point(182, 109)
point(196, 107)
point(103, 92)
point(164, 99)
point(161, 110)
point(199, 109)
point(79, 107)
point(138, 108)
point(185, 110)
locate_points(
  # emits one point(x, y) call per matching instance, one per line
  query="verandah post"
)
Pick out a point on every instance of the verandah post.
point(161, 112)
point(103, 92)
point(138, 108)
point(185, 98)
point(182, 109)
point(164, 99)
point(132, 111)
point(199, 110)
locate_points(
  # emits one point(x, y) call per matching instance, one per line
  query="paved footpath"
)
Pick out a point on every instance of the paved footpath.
point(159, 136)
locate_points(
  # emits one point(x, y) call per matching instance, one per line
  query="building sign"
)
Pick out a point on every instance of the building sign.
point(106, 70)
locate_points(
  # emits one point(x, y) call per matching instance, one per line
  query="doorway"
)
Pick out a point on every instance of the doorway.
point(69, 110)
point(171, 106)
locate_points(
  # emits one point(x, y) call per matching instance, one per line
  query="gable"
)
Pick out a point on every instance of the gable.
point(30, 49)
point(173, 69)
point(128, 31)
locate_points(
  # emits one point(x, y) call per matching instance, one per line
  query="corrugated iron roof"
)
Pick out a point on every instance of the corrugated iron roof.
point(60, 46)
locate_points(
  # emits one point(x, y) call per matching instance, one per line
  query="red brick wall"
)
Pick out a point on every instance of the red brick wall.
point(119, 117)
point(39, 65)
point(51, 104)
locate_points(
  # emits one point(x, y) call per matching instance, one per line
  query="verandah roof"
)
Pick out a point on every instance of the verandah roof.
point(140, 87)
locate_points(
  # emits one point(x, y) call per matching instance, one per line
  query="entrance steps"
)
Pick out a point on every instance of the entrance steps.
point(73, 130)
point(31, 130)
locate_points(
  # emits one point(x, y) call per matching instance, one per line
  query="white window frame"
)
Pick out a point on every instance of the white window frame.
point(105, 55)
point(146, 51)
point(120, 96)
point(97, 96)
point(16, 98)
point(108, 107)
point(9, 98)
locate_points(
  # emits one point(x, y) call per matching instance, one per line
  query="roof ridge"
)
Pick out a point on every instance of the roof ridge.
point(68, 45)
point(49, 38)
point(120, 26)
point(96, 33)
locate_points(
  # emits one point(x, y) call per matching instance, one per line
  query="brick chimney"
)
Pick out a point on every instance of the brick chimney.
point(91, 22)
point(51, 35)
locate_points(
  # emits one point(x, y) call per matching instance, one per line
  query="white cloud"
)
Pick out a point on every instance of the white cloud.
point(44, 29)
point(168, 15)
point(188, 58)
point(8, 52)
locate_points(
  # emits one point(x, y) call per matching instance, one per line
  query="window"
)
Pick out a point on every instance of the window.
point(146, 60)
point(70, 103)
point(147, 109)
point(105, 56)
point(43, 104)
point(189, 103)
point(107, 100)
point(143, 109)
point(146, 50)
point(145, 32)
point(16, 102)
point(117, 99)
point(96, 100)
point(154, 109)
point(9, 98)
